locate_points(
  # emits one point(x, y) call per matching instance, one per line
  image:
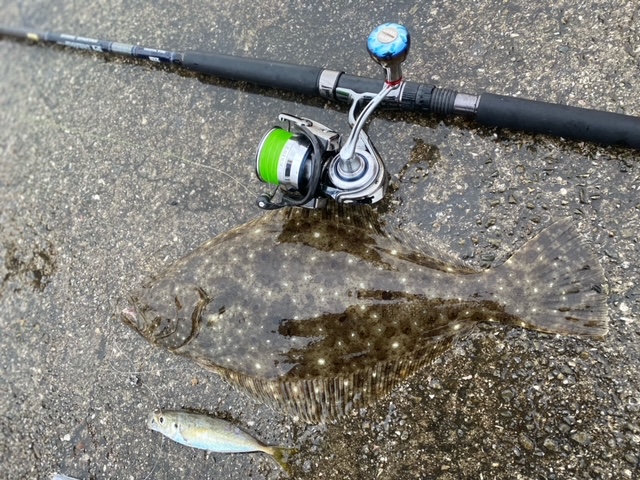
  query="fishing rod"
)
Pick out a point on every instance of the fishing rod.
point(309, 162)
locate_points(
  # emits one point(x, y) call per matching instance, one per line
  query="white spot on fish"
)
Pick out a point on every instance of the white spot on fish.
point(321, 361)
point(395, 344)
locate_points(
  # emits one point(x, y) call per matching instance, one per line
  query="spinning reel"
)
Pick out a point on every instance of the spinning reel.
point(308, 162)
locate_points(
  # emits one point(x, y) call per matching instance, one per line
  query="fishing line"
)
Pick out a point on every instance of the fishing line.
point(157, 458)
point(120, 351)
point(83, 134)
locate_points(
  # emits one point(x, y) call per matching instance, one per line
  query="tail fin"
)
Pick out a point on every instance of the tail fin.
point(558, 285)
point(280, 455)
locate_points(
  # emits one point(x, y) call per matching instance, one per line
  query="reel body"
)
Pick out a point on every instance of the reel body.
point(308, 161)
point(309, 170)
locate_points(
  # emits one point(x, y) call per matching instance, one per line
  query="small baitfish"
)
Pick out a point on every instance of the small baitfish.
point(316, 312)
point(212, 434)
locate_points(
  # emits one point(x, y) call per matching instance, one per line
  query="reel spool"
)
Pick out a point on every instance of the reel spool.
point(294, 162)
point(284, 158)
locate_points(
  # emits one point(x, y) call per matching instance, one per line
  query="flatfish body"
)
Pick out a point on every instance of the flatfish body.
point(315, 312)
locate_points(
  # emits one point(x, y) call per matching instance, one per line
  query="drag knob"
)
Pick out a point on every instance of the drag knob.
point(388, 45)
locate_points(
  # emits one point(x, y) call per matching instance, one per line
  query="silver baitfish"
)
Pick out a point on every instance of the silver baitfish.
point(316, 312)
point(212, 434)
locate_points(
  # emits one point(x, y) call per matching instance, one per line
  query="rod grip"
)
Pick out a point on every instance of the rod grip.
point(560, 120)
point(286, 76)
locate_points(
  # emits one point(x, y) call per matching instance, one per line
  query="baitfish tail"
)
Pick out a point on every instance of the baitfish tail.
point(555, 284)
point(280, 455)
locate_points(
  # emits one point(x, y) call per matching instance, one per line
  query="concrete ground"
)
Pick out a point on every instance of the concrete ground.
point(111, 169)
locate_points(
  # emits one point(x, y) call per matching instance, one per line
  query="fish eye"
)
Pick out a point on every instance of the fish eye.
point(161, 419)
point(175, 425)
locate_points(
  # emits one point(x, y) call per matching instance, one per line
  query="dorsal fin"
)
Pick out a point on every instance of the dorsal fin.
point(361, 231)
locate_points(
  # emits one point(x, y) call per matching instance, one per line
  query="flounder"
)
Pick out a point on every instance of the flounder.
point(316, 312)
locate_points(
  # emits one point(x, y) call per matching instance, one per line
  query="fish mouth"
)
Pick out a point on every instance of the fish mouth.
point(131, 316)
point(152, 421)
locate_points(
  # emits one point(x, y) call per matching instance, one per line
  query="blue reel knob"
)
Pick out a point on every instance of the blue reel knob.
point(389, 44)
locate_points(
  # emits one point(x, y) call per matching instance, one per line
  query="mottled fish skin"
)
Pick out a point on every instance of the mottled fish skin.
point(212, 434)
point(315, 312)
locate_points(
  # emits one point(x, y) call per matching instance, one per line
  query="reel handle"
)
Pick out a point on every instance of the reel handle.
point(388, 45)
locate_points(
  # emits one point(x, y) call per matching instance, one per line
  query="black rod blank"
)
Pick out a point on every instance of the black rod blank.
point(560, 120)
point(283, 76)
point(488, 109)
